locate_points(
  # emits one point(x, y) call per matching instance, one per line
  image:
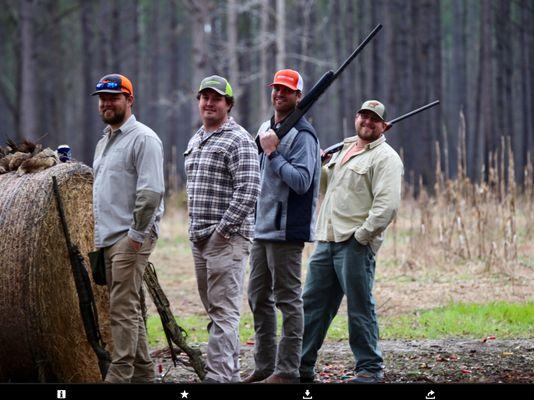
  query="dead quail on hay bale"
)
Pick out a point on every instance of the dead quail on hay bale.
point(32, 155)
point(43, 160)
point(42, 336)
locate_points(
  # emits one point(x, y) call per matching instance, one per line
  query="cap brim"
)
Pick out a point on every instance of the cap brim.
point(283, 84)
point(214, 89)
point(108, 91)
point(374, 112)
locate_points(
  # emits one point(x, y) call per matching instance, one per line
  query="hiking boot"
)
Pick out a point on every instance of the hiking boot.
point(255, 377)
point(209, 380)
point(368, 377)
point(307, 379)
point(277, 379)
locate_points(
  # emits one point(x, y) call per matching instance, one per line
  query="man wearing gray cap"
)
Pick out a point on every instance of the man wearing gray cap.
point(223, 183)
point(363, 188)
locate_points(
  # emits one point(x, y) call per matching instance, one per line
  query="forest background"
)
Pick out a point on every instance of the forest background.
point(477, 57)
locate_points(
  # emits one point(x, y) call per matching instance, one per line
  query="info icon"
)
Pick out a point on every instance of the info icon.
point(61, 394)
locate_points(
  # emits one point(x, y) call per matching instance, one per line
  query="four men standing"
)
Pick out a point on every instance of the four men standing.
point(223, 187)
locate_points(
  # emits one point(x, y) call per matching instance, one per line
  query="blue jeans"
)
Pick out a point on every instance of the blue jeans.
point(337, 269)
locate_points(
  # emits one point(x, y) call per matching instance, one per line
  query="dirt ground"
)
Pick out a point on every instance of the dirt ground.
point(428, 361)
point(402, 285)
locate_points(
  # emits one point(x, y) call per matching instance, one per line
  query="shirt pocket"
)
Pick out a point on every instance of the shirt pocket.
point(213, 160)
point(118, 160)
point(359, 169)
point(360, 182)
point(357, 191)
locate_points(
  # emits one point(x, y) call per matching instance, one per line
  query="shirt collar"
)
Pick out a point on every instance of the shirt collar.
point(202, 131)
point(124, 128)
point(368, 146)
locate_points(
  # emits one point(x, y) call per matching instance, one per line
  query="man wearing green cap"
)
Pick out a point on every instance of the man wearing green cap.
point(363, 188)
point(223, 183)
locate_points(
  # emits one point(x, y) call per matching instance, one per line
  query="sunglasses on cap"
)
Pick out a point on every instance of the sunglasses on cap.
point(106, 85)
point(114, 84)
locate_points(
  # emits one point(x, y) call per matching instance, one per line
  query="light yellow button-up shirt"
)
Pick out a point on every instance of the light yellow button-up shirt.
point(362, 195)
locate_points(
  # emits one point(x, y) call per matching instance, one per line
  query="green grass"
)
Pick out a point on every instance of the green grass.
point(196, 327)
point(464, 320)
point(456, 320)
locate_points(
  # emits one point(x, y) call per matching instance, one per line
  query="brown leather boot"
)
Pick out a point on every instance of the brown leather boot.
point(254, 377)
point(279, 379)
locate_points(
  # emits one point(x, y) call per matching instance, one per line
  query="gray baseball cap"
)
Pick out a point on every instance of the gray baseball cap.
point(375, 106)
point(217, 83)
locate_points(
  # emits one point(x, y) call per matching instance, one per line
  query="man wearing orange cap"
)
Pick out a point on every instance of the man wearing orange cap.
point(285, 219)
point(127, 204)
point(363, 188)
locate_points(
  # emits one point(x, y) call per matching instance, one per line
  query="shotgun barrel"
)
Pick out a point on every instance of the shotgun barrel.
point(338, 146)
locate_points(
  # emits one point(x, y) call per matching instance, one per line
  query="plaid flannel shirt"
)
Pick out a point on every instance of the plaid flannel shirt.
point(223, 182)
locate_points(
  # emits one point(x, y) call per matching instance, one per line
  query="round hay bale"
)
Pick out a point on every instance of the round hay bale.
point(42, 336)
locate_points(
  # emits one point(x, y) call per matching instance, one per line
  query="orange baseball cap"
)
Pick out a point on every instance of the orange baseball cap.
point(114, 83)
point(288, 78)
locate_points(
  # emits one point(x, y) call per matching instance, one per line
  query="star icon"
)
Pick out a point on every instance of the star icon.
point(184, 394)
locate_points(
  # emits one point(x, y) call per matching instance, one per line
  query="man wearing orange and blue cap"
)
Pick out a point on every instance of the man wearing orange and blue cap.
point(285, 218)
point(127, 204)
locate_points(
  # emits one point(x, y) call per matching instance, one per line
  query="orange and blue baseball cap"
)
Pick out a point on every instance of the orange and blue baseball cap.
point(114, 83)
point(288, 78)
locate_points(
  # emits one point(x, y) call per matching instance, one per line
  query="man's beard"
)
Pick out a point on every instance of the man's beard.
point(368, 134)
point(117, 118)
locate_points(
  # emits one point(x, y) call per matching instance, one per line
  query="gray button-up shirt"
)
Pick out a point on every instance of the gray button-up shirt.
point(129, 184)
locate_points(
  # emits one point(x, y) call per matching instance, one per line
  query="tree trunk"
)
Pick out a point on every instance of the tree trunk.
point(264, 45)
point(486, 138)
point(116, 38)
point(233, 68)
point(458, 81)
point(88, 128)
point(200, 11)
point(28, 86)
point(152, 90)
point(280, 34)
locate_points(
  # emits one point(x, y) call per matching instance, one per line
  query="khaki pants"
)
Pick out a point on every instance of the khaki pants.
point(130, 360)
point(220, 269)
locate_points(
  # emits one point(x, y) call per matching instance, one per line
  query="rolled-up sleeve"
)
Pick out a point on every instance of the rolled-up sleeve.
point(148, 161)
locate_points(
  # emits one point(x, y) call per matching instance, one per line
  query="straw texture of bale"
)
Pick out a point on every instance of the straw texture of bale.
point(41, 332)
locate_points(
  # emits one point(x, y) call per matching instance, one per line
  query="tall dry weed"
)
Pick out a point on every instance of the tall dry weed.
point(465, 222)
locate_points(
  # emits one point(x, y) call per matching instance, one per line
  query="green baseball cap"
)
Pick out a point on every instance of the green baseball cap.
point(217, 83)
point(375, 106)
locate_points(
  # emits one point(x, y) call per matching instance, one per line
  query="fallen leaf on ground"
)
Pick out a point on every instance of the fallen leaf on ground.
point(466, 371)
